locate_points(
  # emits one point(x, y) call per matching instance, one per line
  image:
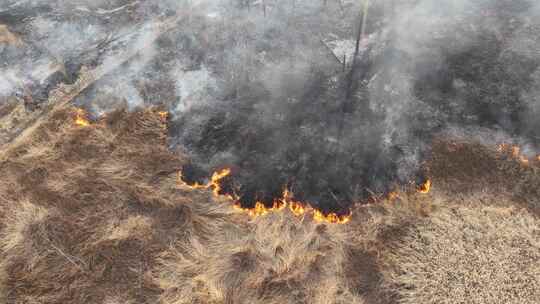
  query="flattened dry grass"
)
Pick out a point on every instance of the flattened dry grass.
point(468, 255)
point(86, 210)
point(275, 259)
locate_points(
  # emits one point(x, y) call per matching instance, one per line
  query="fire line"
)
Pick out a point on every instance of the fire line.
point(298, 209)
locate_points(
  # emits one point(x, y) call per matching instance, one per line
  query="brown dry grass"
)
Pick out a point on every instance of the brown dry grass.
point(107, 203)
point(461, 169)
point(94, 215)
point(468, 255)
point(7, 37)
point(276, 259)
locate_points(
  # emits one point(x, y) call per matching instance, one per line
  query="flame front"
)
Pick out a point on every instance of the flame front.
point(213, 184)
point(80, 118)
point(216, 179)
point(331, 217)
point(515, 152)
point(298, 209)
point(193, 186)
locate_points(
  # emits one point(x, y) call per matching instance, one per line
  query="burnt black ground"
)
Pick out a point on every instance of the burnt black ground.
point(333, 137)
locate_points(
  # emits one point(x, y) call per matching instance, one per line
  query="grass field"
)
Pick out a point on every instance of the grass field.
point(95, 214)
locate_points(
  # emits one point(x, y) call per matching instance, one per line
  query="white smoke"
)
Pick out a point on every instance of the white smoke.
point(9, 82)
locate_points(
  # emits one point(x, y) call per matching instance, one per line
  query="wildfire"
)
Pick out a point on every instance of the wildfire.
point(393, 195)
point(331, 217)
point(260, 209)
point(193, 186)
point(515, 152)
point(215, 180)
point(213, 184)
point(163, 115)
point(80, 118)
point(298, 209)
point(425, 187)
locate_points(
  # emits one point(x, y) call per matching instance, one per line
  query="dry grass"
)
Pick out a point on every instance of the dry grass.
point(462, 168)
point(466, 255)
point(274, 259)
point(106, 219)
point(7, 37)
point(94, 215)
point(19, 219)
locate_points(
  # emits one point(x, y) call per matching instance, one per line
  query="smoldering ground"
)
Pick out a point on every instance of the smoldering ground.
point(271, 89)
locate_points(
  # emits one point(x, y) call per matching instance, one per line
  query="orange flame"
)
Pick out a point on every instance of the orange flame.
point(80, 118)
point(393, 195)
point(298, 209)
point(213, 184)
point(515, 151)
point(425, 187)
point(331, 217)
point(181, 181)
point(163, 115)
point(216, 179)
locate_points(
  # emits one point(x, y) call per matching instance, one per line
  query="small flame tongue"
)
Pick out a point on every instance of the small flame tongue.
point(425, 187)
point(81, 118)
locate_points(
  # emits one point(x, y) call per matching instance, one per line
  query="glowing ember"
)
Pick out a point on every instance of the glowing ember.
point(425, 187)
point(80, 118)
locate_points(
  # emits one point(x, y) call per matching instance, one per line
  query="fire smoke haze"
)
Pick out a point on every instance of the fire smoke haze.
point(271, 89)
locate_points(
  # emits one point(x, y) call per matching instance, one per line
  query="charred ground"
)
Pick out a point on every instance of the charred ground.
point(326, 135)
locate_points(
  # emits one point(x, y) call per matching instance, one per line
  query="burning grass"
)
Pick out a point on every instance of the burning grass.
point(299, 209)
point(96, 213)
